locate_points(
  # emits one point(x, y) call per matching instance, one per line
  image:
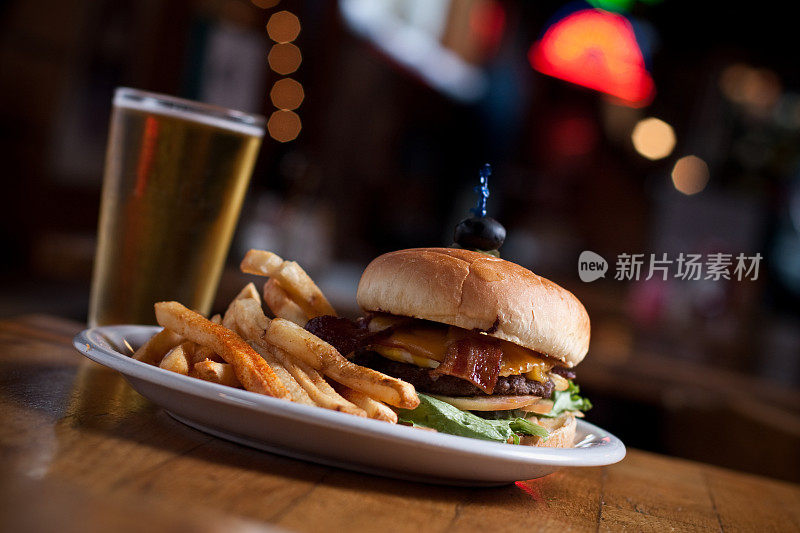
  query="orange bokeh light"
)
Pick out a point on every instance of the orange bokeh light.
point(284, 126)
point(653, 138)
point(287, 94)
point(284, 58)
point(265, 4)
point(283, 27)
point(690, 175)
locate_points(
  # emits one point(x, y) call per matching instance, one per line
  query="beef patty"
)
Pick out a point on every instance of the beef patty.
point(446, 385)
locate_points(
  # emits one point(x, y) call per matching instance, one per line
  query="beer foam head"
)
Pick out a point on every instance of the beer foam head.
point(189, 110)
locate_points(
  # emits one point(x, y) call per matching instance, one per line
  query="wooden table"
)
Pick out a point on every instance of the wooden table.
point(82, 451)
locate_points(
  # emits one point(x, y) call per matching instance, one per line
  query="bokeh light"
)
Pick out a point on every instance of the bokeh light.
point(756, 89)
point(287, 94)
point(487, 21)
point(283, 27)
point(595, 49)
point(284, 58)
point(619, 6)
point(284, 126)
point(653, 138)
point(690, 174)
point(265, 4)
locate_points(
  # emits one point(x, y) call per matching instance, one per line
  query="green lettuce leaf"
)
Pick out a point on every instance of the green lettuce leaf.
point(568, 400)
point(445, 418)
point(526, 427)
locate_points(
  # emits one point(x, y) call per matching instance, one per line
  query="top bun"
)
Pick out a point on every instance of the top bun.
point(476, 291)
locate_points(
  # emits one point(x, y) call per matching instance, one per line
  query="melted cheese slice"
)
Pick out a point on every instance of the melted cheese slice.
point(426, 348)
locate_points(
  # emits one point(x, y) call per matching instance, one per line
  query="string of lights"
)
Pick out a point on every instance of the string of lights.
point(284, 58)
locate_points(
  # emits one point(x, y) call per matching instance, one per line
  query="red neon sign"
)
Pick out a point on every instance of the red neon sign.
point(598, 50)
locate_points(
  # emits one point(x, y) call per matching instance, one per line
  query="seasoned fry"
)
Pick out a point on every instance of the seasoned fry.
point(196, 353)
point(373, 383)
point(220, 373)
point(374, 408)
point(243, 311)
point(281, 305)
point(249, 292)
point(154, 350)
point(203, 353)
point(292, 278)
point(320, 355)
point(251, 370)
point(302, 289)
point(246, 318)
point(298, 342)
point(261, 263)
point(199, 353)
point(177, 360)
point(298, 393)
point(315, 385)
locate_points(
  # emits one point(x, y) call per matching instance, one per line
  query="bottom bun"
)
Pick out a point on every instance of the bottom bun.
point(562, 432)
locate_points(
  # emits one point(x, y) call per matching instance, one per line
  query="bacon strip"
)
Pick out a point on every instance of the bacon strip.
point(475, 359)
point(343, 334)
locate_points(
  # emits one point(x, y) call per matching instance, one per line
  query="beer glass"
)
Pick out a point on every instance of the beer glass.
point(176, 173)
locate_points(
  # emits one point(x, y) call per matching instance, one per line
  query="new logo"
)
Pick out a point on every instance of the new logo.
point(591, 266)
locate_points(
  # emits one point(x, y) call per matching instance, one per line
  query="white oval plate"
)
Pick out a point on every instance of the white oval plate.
point(333, 438)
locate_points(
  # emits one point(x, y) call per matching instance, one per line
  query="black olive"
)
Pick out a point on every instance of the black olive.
point(481, 233)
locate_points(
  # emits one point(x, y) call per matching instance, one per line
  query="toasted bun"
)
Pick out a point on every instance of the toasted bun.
point(562, 432)
point(472, 290)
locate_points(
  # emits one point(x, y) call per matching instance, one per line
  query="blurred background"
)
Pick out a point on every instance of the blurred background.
point(617, 126)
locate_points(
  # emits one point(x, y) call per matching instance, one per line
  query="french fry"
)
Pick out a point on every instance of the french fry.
point(177, 360)
point(199, 354)
point(302, 289)
point(233, 316)
point(373, 383)
point(299, 343)
point(154, 350)
point(251, 370)
point(292, 278)
point(220, 373)
point(248, 292)
point(298, 393)
point(373, 408)
point(282, 305)
point(244, 314)
point(261, 263)
point(203, 353)
point(319, 390)
point(246, 318)
point(318, 354)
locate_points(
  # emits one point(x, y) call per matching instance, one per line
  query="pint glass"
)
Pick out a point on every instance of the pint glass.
point(176, 173)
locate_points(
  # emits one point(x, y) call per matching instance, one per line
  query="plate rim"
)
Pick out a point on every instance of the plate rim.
point(90, 343)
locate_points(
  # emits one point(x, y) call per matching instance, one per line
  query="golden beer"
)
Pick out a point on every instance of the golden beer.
point(175, 176)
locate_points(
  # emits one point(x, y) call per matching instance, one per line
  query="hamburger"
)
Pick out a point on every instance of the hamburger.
point(488, 345)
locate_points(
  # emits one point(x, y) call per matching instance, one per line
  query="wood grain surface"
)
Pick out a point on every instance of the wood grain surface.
point(83, 452)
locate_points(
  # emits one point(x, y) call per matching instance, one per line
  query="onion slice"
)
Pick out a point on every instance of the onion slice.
point(542, 407)
point(488, 403)
point(561, 383)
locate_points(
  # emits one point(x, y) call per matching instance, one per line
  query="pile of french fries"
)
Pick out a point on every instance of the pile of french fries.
point(274, 356)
